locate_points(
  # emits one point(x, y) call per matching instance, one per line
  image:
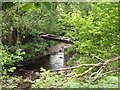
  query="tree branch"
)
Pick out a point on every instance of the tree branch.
point(102, 63)
point(82, 74)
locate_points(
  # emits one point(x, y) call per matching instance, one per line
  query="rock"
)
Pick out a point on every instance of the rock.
point(60, 57)
point(37, 73)
point(27, 80)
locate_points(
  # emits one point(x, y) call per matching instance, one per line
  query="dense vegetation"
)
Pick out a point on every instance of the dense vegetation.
point(92, 26)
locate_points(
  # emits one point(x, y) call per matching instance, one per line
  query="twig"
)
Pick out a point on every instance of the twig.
point(98, 75)
point(112, 71)
point(96, 72)
point(74, 67)
point(102, 64)
point(98, 58)
point(82, 74)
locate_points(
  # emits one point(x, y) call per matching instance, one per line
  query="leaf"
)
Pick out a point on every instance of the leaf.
point(47, 5)
point(12, 69)
point(7, 5)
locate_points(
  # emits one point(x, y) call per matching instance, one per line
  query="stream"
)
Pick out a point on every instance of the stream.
point(30, 70)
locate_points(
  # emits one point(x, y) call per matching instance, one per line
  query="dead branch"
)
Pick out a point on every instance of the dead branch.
point(98, 58)
point(70, 68)
point(112, 71)
point(112, 60)
point(102, 63)
point(79, 75)
point(99, 73)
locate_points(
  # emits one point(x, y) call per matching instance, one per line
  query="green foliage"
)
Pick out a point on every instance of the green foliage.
point(106, 82)
point(52, 80)
point(47, 80)
point(8, 60)
point(22, 24)
point(7, 5)
point(96, 34)
point(73, 83)
point(10, 82)
point(7, 66)
point(92, 26)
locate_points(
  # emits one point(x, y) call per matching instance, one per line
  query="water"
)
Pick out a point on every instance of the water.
point(57, 60)
point(57, 56)
point(30, 69)
point(53, 61)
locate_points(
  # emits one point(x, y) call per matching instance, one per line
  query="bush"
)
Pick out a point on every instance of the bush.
point(95, 34)
point(8, 59)
point(48, 80)
point(7, 66)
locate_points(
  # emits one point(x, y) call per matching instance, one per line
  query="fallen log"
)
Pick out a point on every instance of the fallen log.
point(56, 38)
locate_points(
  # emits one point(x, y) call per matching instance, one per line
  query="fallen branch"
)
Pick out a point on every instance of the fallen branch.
point(74, 67)
point(102, 63)
point(112, 71)
point(112, 60)
point(98, 58)
point(79, 75)
point(99, 73)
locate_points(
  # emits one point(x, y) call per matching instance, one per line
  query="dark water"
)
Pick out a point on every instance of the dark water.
point(30, 69)
point(53, 61)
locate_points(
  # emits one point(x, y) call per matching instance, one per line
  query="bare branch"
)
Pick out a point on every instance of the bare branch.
point(112, 60)
point(102, 63)
point(82, 74)
point(98, 58)
point(112, 71)
point(74, 67)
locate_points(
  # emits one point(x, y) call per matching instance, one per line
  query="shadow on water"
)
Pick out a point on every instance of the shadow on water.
point(36, 64)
